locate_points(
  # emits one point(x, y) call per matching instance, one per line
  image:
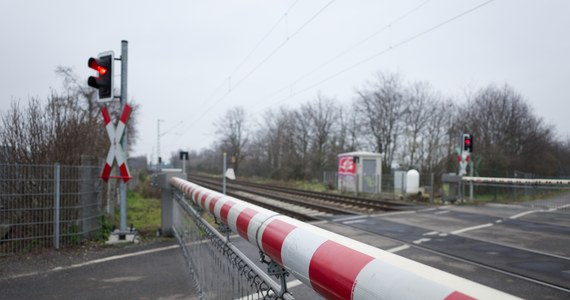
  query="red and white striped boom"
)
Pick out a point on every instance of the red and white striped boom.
point(335, 266)
point(529, 181)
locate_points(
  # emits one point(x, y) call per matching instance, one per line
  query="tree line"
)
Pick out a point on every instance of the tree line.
point(65, 128)
point(411, 123)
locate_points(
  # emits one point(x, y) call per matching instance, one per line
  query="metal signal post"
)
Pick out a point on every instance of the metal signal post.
point(123, 185)
point(103, 64)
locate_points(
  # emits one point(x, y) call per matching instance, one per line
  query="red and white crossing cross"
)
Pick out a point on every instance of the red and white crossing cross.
point(116, 150)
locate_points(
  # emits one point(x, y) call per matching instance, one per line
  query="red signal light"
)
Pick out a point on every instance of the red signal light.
point(103, 64)
point(101, 70)
point(94, 65)
point(468, 142)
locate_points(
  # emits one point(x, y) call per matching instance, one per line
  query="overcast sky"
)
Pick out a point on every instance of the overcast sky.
point(182, 54)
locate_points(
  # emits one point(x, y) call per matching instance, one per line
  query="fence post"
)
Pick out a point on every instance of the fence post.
point(356, 185)
point(56, 199)
point(431, 189)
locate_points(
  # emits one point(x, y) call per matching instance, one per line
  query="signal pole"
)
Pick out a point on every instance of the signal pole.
point(123, 185)
point(224, 173)
point(158, 135)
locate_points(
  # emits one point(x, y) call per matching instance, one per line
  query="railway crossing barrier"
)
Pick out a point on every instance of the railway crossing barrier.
point(334, 266)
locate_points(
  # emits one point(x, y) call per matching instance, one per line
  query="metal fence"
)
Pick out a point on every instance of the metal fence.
point(390, 185)
point(547, 197)
point(219, 270)
point(44, 206)
point(434, 190)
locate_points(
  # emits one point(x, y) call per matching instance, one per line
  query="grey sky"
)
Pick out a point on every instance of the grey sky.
point(181, 53)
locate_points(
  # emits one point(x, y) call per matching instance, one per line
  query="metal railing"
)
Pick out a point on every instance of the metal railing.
point(390, 185)
point(208, 253)
point(43, 206)
point(541, 193)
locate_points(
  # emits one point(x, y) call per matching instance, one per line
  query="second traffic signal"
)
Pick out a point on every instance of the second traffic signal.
point(467, 143)
point(103, 64)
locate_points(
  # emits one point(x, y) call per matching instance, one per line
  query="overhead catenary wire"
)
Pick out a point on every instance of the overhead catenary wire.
point(262, 62)
point(377, 54)
point(253, 50)
point(243, 61)
point(384, 51)
point(349, 49)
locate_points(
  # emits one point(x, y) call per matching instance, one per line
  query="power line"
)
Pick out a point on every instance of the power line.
point(224, 82)
point(389, 48)
point(380, 53)
point(350, 48)
point(264, 38)
point(283, 43)
point(311, 19)
point(171, 128)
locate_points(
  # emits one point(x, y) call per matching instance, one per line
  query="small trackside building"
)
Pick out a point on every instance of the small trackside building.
point(360, 171)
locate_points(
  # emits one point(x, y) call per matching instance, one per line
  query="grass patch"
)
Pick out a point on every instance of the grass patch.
point(143, 213)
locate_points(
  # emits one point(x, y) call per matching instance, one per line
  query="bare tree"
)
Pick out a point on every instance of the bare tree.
point(349, 127)
point(62, 129)
point(419, 101)
point(439, 140)
point(381, 108)
point(322, 118)
point(508, 135)
point(234, 134)
point(277, 135)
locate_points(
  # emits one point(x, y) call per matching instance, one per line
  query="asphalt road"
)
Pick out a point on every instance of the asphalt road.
point(151, 272)
point(523, 251)
point(514, 249)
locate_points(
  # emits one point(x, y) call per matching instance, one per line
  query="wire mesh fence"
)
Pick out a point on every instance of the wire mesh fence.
point(218, 269)
point(43, 206)
point(432, 189)
point(548, 197)
point(389, 185)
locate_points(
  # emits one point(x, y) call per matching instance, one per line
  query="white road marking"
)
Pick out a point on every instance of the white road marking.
point(560, 207)
point(441, 212)
point(98, 261)
point(427, 209)
point(354, 221)
point(397, 213)
point(256, 296)
point(431, 233)
point(398, 249)
point(472, 228)
point(348, 218)
point(122, 279)
point(523, 214)
point(421, 240)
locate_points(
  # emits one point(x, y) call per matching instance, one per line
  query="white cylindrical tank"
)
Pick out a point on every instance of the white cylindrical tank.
point(412, 182)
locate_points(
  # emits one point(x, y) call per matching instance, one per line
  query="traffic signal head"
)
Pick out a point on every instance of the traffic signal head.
point(103, 64)
point(467, 143)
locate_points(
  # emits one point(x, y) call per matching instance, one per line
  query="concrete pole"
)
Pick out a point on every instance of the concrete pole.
point(123, 185)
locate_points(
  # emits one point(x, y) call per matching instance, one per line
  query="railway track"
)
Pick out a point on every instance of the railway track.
point(318, 204)
point(509, 265)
